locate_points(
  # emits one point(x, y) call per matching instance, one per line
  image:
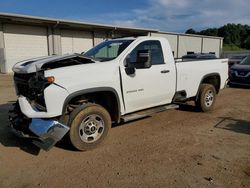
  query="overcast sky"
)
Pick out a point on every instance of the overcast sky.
point(165, 15)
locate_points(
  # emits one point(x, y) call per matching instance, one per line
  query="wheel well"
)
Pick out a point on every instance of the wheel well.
point(106, 99)
point(214, 80)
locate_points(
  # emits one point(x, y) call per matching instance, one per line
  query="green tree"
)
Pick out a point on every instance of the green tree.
point(209, 32)
point(235, 35)
point(247, 43)
point(190, 31)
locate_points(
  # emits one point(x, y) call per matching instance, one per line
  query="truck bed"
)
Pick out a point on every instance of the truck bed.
point(190, 74)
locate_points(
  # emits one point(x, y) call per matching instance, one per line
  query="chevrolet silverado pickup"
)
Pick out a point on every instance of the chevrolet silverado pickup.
point(79, 96)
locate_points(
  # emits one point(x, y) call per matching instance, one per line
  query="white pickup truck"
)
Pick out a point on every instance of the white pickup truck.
point(118, 80)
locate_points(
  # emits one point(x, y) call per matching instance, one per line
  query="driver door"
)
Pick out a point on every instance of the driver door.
point(151, 86)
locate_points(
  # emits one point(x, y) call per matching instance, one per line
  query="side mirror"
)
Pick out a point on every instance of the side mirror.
point(130, 70)
point(127, 61)
point(129, 67)
point(143, 59)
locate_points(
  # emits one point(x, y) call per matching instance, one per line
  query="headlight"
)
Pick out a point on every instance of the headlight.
point(39, 82)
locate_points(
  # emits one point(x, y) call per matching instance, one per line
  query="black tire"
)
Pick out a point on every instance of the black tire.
point(206, 98)
point(83, 126)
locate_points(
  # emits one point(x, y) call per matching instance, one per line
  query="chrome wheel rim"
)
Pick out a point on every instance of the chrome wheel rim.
point(209, 98)
point(91, 128)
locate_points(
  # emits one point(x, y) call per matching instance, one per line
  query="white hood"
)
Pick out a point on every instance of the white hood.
point(35, 64)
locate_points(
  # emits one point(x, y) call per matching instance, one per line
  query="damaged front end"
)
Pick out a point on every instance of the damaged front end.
point(45, 133)
point(41, 98)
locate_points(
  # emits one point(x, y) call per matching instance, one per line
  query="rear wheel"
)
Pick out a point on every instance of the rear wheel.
point(206, 98)
point(89, 125)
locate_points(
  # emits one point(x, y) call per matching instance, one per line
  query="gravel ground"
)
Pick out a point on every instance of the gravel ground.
point(177, 148)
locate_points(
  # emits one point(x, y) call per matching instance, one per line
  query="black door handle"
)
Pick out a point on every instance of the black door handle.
point(165, 71)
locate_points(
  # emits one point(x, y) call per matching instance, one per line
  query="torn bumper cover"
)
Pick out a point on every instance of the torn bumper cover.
point(45, 133)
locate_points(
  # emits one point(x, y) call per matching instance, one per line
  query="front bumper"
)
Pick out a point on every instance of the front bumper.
point(239, 83)
point(30, 112)
point(237, 79)
point(45, 133)
point(49, 105)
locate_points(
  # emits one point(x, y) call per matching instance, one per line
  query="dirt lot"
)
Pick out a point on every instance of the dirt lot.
point(178, 148)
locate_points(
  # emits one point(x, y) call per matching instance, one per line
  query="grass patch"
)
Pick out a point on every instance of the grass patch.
point(232, 47)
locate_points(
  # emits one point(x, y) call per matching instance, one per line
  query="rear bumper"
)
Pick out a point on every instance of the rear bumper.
point(45, 133)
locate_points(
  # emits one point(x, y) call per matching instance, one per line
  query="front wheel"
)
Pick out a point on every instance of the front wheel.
point(206, 98)
point(89, 125)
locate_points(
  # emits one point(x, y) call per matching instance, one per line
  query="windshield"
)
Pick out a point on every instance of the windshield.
point(246, 61)
point(108, 50)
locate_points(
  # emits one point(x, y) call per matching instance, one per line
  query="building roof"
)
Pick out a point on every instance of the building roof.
point(12, 17)
point(45, 20)
point(190, 35)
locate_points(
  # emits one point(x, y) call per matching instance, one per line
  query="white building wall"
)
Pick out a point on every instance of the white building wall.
point(211, 45)
point(172, 40)
point(2, 50)
point(20, 42)
point(99, 37)
point(188, 43)
point(76, 41)
point(23, 42)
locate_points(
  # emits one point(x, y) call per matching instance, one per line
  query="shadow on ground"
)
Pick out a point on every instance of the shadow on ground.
point(65, 142)
point(187, 107)
point(235, 125)
point(8, 139)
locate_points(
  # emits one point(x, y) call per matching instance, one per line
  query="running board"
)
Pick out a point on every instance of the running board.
point(145, 113)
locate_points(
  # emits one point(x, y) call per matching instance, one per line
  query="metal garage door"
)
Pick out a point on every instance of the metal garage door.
point(188, 43)
point(76, 41)
point(212, 45)
point(24, 42)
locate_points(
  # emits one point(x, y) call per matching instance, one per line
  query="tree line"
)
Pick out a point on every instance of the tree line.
point(235, 35)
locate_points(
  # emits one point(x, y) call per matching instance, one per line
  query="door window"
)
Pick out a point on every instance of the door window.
point(155, 49)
